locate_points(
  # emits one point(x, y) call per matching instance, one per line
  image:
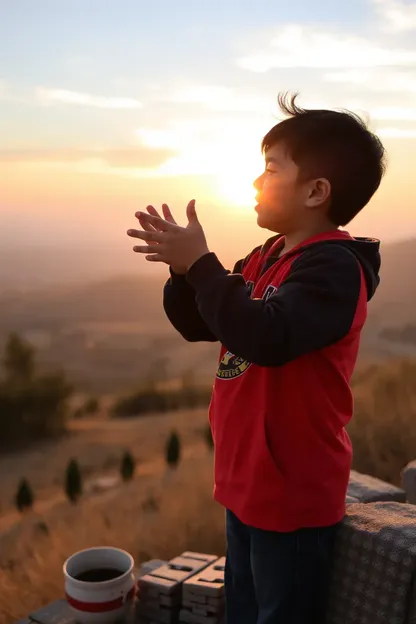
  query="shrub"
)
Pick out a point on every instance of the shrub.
point(141, 402)
point(127, 466)
point(32, 406)
point(173, 450)
point(153, 401)
point(24, 496)
point(73, 481)
point(18, 359)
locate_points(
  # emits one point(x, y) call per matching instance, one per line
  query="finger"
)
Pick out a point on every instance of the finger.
point(156, 258)
point(191, 212)
point(146, 248)
point(157, 222)
point(147, 226)
point(154, 236)
point(167, 214)
point(152, 210)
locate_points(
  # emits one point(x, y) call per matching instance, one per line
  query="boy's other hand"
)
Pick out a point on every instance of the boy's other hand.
point(180, 247)
point(150, 228)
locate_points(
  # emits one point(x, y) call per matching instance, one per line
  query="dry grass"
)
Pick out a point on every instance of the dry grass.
point(149, 517)
point(383, 429)
point(98, 444)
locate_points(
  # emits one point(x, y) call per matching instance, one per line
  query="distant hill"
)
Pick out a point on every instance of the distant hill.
point(36, 267)
point(72, 295)
point(114, 329)
point(394, 304)
point(119, 299)
point(395, 300)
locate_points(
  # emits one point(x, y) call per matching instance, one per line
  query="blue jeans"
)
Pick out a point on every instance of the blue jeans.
point(276, 578)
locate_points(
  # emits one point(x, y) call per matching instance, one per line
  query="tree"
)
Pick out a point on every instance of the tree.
point(32, 406)
point(127, 466)
point(73, 481)
point(49, 403)
point(173, 450)
point(18, 359)
point(24, 496)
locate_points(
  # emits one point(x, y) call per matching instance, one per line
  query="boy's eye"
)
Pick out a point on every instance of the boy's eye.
point(270, 171)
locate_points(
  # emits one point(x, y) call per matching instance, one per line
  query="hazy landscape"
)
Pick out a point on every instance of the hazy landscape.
point(111, 338)
point(111, 331)
point(97, 322)
point(103, 406)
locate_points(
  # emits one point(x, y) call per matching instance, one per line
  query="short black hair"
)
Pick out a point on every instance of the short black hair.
point(335, 145)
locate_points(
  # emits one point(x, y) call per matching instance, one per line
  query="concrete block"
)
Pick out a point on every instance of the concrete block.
point(160, 590)
point(409, 482)
point(55, 613)
point(203, 595)
point(368, 489)
point(351, 499)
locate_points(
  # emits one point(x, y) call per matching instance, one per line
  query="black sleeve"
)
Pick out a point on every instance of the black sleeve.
point(182, 311)
point(313, 308)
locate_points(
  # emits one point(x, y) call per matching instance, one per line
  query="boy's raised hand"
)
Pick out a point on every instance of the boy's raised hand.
point(150, 228)
point(168, 242)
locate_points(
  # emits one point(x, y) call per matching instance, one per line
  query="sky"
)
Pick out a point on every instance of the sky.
point(109, 105)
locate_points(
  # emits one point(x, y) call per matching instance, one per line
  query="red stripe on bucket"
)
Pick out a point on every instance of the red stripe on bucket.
point(100, 607)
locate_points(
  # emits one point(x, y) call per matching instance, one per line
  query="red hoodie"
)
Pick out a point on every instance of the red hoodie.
point(290, 330)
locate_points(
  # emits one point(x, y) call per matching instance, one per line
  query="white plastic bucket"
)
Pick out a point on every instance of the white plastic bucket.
point(102, 602)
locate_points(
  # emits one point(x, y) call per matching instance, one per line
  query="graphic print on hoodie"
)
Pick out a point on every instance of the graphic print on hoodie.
point(289, 329)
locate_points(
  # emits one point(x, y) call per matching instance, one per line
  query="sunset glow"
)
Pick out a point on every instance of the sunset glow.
point(235, 186)
point(95, 122)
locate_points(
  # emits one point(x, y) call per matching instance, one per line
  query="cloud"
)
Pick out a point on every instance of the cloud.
point(145, 157)
point(397, 133)
point(199, 134)
point(301, 46)
point(53, 96)
point(396, 16)
point(393, 113)
point(377, 80)
point(208, 145)
point(220, 98)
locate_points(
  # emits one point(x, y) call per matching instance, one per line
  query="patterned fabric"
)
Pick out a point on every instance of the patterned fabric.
point(368, 489)
point(409, 482)
point(374, 575)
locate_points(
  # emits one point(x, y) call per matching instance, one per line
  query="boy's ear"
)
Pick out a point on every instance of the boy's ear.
point(319, 192)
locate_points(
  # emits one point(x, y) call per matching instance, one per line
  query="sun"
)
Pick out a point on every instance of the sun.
point(235, 185)
point(236, 192)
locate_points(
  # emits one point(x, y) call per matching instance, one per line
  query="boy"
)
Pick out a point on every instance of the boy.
point(289, 319)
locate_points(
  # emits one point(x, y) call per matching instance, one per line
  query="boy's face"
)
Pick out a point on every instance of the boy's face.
point(283, 199)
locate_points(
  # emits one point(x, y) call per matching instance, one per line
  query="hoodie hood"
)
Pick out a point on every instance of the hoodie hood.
point(365, 250)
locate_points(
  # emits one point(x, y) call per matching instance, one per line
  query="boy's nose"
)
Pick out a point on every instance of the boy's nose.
point(258, 183)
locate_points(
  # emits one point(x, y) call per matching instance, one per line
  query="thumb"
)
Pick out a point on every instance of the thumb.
point(191, 212)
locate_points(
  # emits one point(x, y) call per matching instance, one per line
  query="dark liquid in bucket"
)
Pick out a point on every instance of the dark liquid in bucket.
point(98, 575)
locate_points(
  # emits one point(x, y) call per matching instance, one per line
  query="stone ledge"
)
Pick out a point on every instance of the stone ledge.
point(367, 489)
point(409, 482)
point(374, 575)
